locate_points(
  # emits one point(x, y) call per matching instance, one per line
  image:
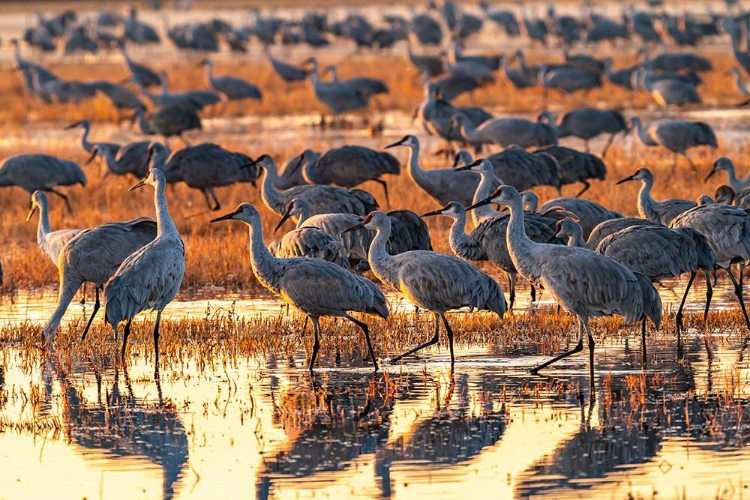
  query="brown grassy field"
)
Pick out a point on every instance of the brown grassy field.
point(217, 255)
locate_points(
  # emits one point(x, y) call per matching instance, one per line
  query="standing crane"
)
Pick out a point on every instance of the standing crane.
point(431, 280)
point(288, 72)
point(658, 211)
point(727, 165)
point(299, 281)
point(338, 97)
point(233, 88)
point(507, 131)
point(132, 158)
point(141, 74)
point(366, 86)
point(321, 198)
point(41, 172)
point(604, 229)
point(442, 184)
point(727, 230)
point(349, 166)
point(585, 283)
point(150, 277)
point(51, 242)
point(588, 123)
point(94, 255)
point(676, 135)
point(574, 166)
point(515, 166)
point(169, 121)
point(589, 213)
point(202, 167)
point(88, 146)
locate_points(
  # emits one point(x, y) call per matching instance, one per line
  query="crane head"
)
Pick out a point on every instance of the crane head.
point(79, 123)
point(407, 140)
point(291, 209)
point(462, 159)
point(566, 228)
point(722, 163)
point(94, 154)
point(478, 165)
point(503, 195)
point(153, 177)
point(725, 194)
point(244, 212)
point(374, 220)
point(38, 199)
point(451, 209)
point(641, 174)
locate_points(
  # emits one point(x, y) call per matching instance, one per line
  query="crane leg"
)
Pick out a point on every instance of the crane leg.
point(316, 343)
point(430, 342)
point(643, 340)
point(603, 154)
point(577, 348)
point(91, 319)
point(692, 165)
point(709, 294)
point(738, 293)
point(591, 357)
point(449, 331)
point(366, 331)
point(209, 193)
point(183, 139)
point(64, 197)
point(586, 185)
point(512, 288)
point(385, 190)
point(678, 319)
point(156, 345)
point(533, 292)
point(125, 336)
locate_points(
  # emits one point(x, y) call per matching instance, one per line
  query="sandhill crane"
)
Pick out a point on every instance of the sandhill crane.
point(660, 252)
point(584, 62)
point(308, 241)
point(658, 211)
point(94, 255)
point(588, 123)
point(431, 280)
point(455, 84)
point(676, 135)
point(727, 230)
point(567, 79)
point(487, 240)
point(231, 87)
point(150, 277)
point(349, 166)
point(430, 66)
point(287, 277)
point(622, 77)
point(574, 166)
point(169, 121)
point(514, 166)
point(415, 225)
point(288, 72)
point(62, 91)
point(518, 78)
point(652, 307)
point(88, 146)
point(425, 29)
point(604, 229)
point(51, 242)
point(141, 74)
point(668, 92)
point(582, 281)
point(337, 97)
point(725, 194)
point(724, 163)
point(366, 86)
point(203, 167)
point(132, 158)
point(506, 132)
point(321, 198)
point(41, 172)
point(589, 213)
point(24, 65)
point(741, 86)
point(197, 99)
point(121, 97)
point(678, 62)
point(443, 184)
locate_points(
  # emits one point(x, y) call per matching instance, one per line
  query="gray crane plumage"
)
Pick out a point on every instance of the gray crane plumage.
point(568, 79)
point(585, 283)
point(141, 74)
point(727, 230)
point(676, 135)
point(41, 172)
point(150, 277)
point(87, 145)
point(588, 123)
point(132, 158)
point(94, 255)
point(337, 97)
point(443, 184)
point(232, 87)
point(321, 198)
point(725, 164)
point(121, 97)
point(574, 166)
point(515, 166)
point(169, 121)
point(604, 229)
point(366, 86)
point(431, 280)
point(288, 72)
point(292, 280)
point(349, 166)
point(203, 167)
point(657, 211)
point(506, 132)
point(589, 213)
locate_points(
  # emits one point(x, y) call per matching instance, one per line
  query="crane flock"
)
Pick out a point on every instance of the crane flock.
point(591, 260)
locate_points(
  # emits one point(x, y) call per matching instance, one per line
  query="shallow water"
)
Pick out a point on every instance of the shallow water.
point(263, 427)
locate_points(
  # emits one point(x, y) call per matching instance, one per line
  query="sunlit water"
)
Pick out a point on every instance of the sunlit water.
point(264, 428)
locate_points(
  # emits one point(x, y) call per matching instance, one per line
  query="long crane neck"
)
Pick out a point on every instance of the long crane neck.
point(309, 170)
point(110, 160)
point(468, 131)
point(271, 197)
point(642, 135)
point(164, 222)
point(646, 203)
point(304, 214)
point(412, 164)
point(520, 246)
point(144, 124)
point(377, 255)
point(262, 260)
point(85, 138)
point(43, 227)
point(733, 180)
point(460, 242)
point(484, 189)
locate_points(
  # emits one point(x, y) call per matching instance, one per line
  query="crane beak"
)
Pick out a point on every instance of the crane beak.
point(140, 184)
point(356, 227)
point(397, 143)
point(91, 158)
point(72, 125)
point(434, 212)
point(478, 204)
point(31, 212)
point(250, 164)
point(710, 174)
point(626, 179)
point(283, 220)
point(228, 216)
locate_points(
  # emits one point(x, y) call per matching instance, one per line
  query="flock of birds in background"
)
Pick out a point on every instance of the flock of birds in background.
point(592, 261)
